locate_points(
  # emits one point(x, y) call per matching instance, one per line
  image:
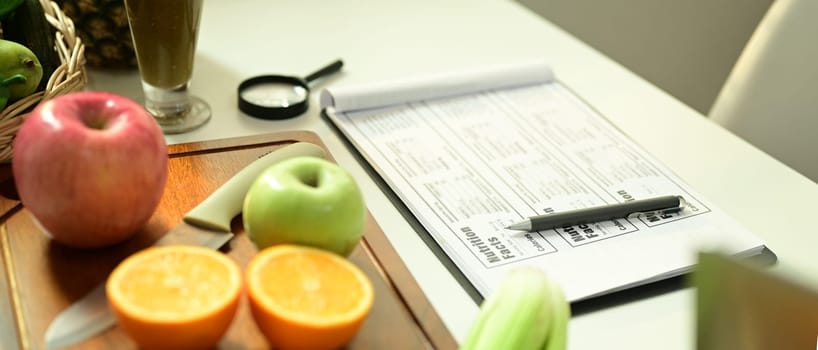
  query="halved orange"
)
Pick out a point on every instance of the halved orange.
point(175, 297)
point(307, 298)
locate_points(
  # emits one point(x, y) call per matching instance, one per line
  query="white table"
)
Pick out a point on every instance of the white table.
point(390, 39)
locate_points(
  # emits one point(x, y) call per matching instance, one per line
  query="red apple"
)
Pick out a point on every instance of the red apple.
point(90, 167)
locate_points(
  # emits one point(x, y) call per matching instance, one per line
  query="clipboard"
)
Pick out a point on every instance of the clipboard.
point(420, 136)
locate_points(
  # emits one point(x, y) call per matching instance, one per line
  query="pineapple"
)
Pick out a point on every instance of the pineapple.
point(103, 27)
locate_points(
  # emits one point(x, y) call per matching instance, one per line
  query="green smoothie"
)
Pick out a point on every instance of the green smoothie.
point(164, 34)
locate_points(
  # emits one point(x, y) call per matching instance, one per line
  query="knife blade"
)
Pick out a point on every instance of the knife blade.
point(207, 224)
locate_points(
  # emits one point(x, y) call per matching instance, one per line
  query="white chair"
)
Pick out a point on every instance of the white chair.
point(771, 96)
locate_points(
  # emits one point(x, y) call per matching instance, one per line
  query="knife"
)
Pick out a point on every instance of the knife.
point(208, 224)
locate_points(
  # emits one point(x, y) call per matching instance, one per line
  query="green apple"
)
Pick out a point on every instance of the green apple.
point(308, 201)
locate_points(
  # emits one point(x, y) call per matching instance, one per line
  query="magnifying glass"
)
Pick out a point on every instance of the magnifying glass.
point(280, 96)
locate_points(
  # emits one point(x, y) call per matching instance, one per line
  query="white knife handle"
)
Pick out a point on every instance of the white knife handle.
point(218, 209)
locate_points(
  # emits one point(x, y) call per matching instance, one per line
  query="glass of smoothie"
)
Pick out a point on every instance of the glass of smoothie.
point(164, 35)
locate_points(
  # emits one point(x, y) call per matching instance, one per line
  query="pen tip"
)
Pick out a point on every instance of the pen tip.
point(520, 226)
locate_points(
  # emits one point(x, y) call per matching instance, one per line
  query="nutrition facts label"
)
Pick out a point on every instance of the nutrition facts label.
point(470, 165)
point(478, 163)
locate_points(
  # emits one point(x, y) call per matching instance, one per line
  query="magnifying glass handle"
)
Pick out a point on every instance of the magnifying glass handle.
point(331, 68)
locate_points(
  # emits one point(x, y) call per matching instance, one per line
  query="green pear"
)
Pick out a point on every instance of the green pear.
point(20, 71)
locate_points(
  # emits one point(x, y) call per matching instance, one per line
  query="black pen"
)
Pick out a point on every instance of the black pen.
point(664, 204)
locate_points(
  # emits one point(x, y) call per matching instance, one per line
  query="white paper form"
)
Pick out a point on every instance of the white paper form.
point(469, 165)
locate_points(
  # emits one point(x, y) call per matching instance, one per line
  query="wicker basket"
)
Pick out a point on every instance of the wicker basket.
point(68, 77)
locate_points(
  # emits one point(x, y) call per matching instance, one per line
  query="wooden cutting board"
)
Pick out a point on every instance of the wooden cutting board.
point(41, 277)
